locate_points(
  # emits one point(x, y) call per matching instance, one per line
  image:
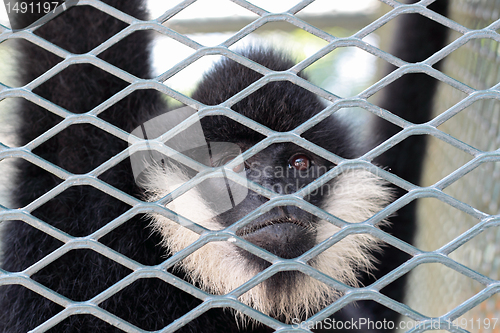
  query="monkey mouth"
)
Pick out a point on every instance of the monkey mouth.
point(285, 237)
point(250, 229)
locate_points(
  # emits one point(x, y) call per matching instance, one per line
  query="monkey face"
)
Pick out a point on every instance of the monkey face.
point(286, 231)
point(212, 184)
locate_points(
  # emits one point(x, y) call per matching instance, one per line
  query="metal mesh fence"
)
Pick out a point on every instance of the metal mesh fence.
point(439, 289)
point(464, 37)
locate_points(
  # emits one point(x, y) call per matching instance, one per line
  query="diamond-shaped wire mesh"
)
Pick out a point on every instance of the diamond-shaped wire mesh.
point(435, 289)
point(486, 88)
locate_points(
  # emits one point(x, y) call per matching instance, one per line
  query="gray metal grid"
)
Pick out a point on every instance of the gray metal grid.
point(441, 255)
point(436, 289)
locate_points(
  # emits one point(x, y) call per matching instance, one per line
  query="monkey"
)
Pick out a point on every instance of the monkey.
point(80, 210)
point(284, 168)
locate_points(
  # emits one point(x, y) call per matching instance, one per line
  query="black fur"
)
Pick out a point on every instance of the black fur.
point(151, 304)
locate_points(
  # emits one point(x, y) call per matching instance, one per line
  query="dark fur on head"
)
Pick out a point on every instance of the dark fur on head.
point(280, 105)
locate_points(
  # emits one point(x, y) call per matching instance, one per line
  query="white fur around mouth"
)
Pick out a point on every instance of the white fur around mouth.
point(249, 229)
point(219, 268)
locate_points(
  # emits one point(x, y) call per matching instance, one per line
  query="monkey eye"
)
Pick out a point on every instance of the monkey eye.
point(299, 162)
point(225, 160)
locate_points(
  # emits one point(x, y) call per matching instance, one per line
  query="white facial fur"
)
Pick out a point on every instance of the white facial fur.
point(219, 268)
